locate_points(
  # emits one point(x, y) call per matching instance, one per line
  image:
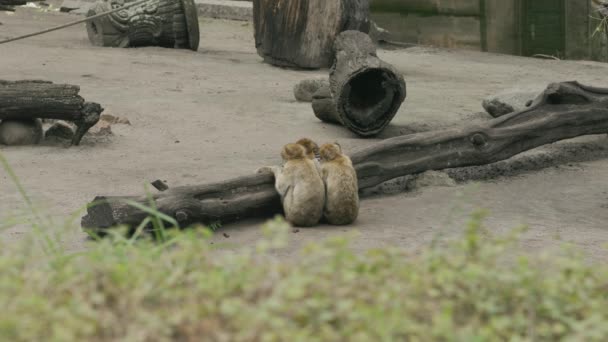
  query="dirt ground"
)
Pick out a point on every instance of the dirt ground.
point(204, 116)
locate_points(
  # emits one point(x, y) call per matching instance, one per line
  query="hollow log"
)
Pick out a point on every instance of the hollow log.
point(366, 91)
point(34, 99)
point(165, 23)
point(562, 111)
point(301, 33)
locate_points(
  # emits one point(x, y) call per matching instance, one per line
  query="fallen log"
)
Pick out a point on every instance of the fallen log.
point(562, 111)
point(165, 23)
point(13, 2)
point(366, 92)
point(301, 33)
point(34, 99)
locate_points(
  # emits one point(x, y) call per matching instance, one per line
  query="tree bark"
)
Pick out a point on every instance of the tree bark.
point(31, 99)
point(165, 23)
point(562, 111)
point(367, 91)
point(301, 33)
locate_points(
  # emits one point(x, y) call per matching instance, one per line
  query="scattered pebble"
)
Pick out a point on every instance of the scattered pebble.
point(304, 90)
point(115, 119)
point(102, 128)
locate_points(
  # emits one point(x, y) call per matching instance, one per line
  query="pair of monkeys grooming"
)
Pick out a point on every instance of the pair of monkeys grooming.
point(311, 189)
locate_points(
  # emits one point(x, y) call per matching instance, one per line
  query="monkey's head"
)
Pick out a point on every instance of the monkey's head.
point(310, 146)
point(329, 152)
point(293, 151)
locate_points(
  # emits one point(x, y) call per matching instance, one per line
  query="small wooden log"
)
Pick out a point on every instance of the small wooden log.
point(13, 2)
point(301, 33)
point(34, 99)
point(562, 111)
point(165, 23)
point(367, 92)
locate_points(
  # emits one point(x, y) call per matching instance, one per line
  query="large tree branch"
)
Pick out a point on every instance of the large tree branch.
point(562, 111)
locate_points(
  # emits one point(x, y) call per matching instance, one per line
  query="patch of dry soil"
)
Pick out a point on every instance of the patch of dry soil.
point(220, 112)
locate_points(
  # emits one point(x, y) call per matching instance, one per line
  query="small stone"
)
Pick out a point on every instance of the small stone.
point(226, 235)
point(512, 100)
point(160, 185)
point(20, 132)
point(60, 130)
point(304, 90)
point(102, 128)
point(114, 119)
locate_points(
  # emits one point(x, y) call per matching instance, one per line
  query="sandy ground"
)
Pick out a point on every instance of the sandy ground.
point(220, 112)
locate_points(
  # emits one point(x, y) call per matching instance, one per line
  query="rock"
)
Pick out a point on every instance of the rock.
point(102, 128)
point(511, 100)
point(111, 119)
point(433, 178)
point(304, 90)
point(60, 130)
point(20, 132)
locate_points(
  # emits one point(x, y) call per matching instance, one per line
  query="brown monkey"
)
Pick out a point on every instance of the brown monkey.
point(312, 149)
point(341, 187)
point(300, 186)
point(20, 132)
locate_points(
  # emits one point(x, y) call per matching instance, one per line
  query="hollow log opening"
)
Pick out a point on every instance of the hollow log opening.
point(366, 95)
point(366, 91)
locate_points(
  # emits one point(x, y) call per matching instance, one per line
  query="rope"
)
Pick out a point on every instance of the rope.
point(75, 22)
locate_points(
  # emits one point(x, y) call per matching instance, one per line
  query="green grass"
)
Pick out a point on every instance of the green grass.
point(475, 288)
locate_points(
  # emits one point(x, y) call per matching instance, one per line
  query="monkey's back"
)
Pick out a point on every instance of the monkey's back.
point(342, 201)
point(303, 204)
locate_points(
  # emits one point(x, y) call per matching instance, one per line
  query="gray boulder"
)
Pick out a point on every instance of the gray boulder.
point(512, 100)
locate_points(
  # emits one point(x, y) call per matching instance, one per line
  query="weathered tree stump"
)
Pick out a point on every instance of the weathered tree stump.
point(165, 23)
point(34, 99)
point(301, 33)
point(562, 111)
point(364, 93)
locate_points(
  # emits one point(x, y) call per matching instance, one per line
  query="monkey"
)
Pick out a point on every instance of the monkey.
point(341, 187)
point(20, 132)
point(312, 149)
point(300, 186)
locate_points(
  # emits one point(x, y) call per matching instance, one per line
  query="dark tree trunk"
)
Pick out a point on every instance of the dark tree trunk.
point(166, 23)
point(366, 91)
point(301, 33)
point(563, 111)
point(31, 99)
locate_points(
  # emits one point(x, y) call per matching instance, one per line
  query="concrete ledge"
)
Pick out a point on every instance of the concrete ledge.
point(220, 9)
point(225, 9)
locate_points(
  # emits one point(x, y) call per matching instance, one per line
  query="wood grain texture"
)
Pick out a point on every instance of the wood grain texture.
point(562, 111)
point(301, 33)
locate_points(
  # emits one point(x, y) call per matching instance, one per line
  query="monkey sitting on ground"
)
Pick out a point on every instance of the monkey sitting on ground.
point(20, 132)
point(341, 187)
point(300, 186)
